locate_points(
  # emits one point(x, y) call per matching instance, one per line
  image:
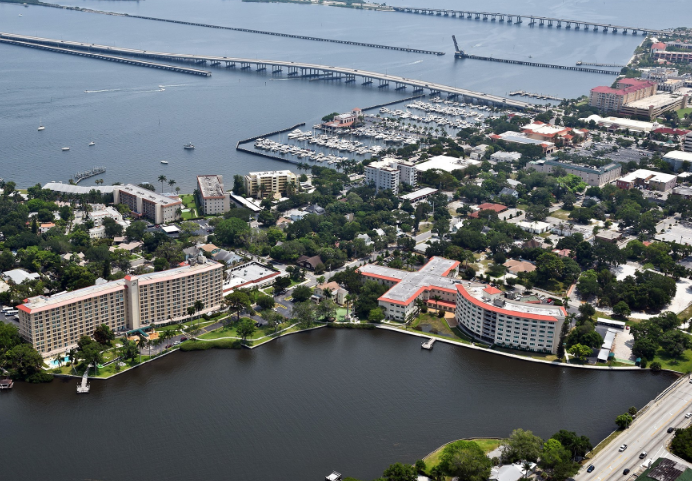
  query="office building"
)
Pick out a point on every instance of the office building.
point(520, 138)
point(680, 160)
point(269, 183)
point(486, 313)
point(591, 175)
point(647, 179)
point(54, 324)
point(211, 195)
point(146, 203)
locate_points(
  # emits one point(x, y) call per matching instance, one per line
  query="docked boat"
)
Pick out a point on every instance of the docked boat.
point(92, 143)
point(65, 149)
point(164, 162)
point(189, 146)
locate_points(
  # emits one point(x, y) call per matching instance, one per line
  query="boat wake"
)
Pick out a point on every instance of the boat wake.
point(414, 63)
point(100, 91)
point(133, 90)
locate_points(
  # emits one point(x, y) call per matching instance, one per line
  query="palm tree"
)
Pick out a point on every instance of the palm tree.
point(177, 190)
point(162, 179)
point(141, 344)
point(199, 305)
point(349, 300)
point(172, 182)
point(437, 299)
point(191, 311)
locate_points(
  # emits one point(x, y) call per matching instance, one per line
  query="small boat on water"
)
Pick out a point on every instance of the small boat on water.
point(164, 162)
point(41, 127)
point(65, 149)
point(189, 146)
point(92, 143)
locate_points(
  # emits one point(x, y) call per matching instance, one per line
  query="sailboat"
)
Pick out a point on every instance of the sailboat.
point(40, 126)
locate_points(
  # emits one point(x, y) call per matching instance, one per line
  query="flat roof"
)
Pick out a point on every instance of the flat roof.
point(146, 194)
point(649, 175)
point(519, 138)
point(679, 155)
point(658, 100)
point(419, 193)
point(211, 186)
point(543, 312)
point(439, 266)
point(77, 189)
point(269, 173)
point(251, 272)
point(246, 203)
point(446, 163)
point(181, 271)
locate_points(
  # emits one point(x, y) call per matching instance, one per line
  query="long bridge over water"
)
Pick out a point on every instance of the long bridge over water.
point(277, 67)
point(533, 20)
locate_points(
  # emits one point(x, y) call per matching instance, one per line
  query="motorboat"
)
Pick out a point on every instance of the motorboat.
point(189, 146)
point(164, 162)
point(65, 149)
point(92, 143)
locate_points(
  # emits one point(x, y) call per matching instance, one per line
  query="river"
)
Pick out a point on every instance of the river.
point(298, 408)
point(138, 117)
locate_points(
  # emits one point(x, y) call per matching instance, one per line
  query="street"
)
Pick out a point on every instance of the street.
point(648, 433)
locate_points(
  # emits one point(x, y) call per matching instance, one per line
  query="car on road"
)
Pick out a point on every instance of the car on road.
point(176, 343)
point(642, 455)
point(168, 346)
point(590, 468)
point(688, 415)
point(183, 339)
point(622, 448)
point(671, 429)
point(691, 380)
point(626, 471)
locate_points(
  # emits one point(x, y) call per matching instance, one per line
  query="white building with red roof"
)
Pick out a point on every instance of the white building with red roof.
point(541, 131)
point(626, 90)
point(488, 315)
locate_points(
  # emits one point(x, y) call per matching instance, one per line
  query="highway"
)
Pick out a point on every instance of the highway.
point(647, 433)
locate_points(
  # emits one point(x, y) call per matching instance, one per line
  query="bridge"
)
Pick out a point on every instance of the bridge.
point(533, 20)
point(249, 30)
point(277, 67)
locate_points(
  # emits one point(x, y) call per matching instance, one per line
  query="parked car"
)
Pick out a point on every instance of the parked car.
point(688, 415)
point(183, 339)
point(626, 471)
point(590, 468)
point(176, 343)
point(622, 448)
point(671, 429)
point(168, 346)
point(642, 455)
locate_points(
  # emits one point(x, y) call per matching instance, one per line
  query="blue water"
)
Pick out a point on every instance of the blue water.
point(53, 364)
point(136, 123)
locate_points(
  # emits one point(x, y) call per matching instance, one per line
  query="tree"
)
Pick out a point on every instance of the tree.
point(266, 302)
point(237, 301)
point(273, 318)
point(681, 445)
point(521, 446)
point(623, 421)
point(622, 309)
point(577, 445)
point(90, 351)
point(23, 361)
point(162, 179)
point(304, 314)
point(103, 334)
point(376, 315)
point(282, 283)
point(128, 351)
point(400, 472)
point(135, 231)
point(191, 311)
point(301, 293)
point(580, 351)
point(466, 460)
point(142, 343)
point(632, 411)
point(229, 231)
point(112, 228)
point(675, 342)
point(245, 328)
point(326, 309)
point(198, 305)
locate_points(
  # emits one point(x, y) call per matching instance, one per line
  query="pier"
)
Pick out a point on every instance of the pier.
point(276, 132)
point(293, 69)
point(83, 387)
point(461, 54)
point(393, 102)
point(110, 58)
point(428, 344)
point(522, 93)
point(80, 176)
point(249, 30)
point(601, 64)
point(532, 20)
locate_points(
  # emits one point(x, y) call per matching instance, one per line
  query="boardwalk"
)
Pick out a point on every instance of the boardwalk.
point(294, 69)
point(533, 20)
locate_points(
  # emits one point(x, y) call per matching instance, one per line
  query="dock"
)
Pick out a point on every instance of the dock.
point(601, 64)
point(462, 55)
point(428, 344)
point(83, 387)
point(532, 20)
point(6, 384)
point(522, 93)
point(80, 176)
point(277, 67)
point(110, 58)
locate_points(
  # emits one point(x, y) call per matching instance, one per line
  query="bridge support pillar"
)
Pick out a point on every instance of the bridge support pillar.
point(230, 64)
point(367, 81)
point(276, 69)
point(399, 86)
point(292, 71)
point(244, 65)
point(383, 83)
point(261, 67)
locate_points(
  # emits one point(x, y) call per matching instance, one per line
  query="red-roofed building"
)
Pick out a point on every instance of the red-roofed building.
point(542, 131)
point(626, 90)
point(658, 51)
point(487, 206)
point(344, 121)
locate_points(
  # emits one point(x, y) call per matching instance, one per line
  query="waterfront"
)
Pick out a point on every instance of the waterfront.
point(300, 407)
point(138, 117)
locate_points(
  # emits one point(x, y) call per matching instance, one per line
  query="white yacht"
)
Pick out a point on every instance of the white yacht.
point(164, 162)
point(92, 143)
point(65, 149)
point(189, 146)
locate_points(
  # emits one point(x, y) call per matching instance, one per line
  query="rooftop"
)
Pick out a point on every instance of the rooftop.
point(657, 101)
point(477, 295)
point(269, 173)
point(419, 193)
point(580, 168)
point(520, 138)
point(211, 186)
point(679, 155)
point(77, 189)
point(649, 175)
point(446, 163)
point(147, 194)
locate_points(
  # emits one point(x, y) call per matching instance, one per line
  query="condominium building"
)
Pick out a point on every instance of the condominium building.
point(212, 197)
point(591, 175)
point(488, 315)
point(146, 203)
point(626, 90)
point(54, 324)
point(679, 160)
point(658, 51)
point(687, 143)
point(261, 184)
point(647, 179)
point(435, 279)
point(384, 174)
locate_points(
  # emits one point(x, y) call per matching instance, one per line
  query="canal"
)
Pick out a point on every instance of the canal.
point(298, 408)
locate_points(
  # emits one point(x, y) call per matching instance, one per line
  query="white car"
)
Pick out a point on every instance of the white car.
point(622, 448)
point(688, 415)
point(176, 343)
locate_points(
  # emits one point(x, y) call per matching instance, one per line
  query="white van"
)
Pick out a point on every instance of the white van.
point(647, 464)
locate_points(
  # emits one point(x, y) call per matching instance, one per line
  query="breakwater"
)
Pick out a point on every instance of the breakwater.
point(392, 102)
point(252, 139)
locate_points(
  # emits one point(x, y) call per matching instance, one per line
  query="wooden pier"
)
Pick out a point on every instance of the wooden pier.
point(83, 387)
point(612, 65)
point(462, 55)
point(532, 20)
point(110, 58)
point(294, 69)
point(428, 344)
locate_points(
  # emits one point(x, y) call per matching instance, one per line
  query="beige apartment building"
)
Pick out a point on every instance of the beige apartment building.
point(54, 324)
point(211, 195)
point(262, 184)
point(146, 203)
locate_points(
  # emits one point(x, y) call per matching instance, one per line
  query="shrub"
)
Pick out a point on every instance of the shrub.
point(40, 376)
point(440, 313)
point(655, 366)
point(342, 325)
point(643, 363)
point(217, 344)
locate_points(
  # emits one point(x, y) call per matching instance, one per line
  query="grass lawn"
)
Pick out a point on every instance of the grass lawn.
point(682, 364)
point(434, 325)
point(560, 214)
point(543, 356)
point(433, 459)
point(190, 203)
point(686, 314)
point(682, 112)
point(230, 332)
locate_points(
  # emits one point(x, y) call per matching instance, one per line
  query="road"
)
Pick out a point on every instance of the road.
point(648, 433)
